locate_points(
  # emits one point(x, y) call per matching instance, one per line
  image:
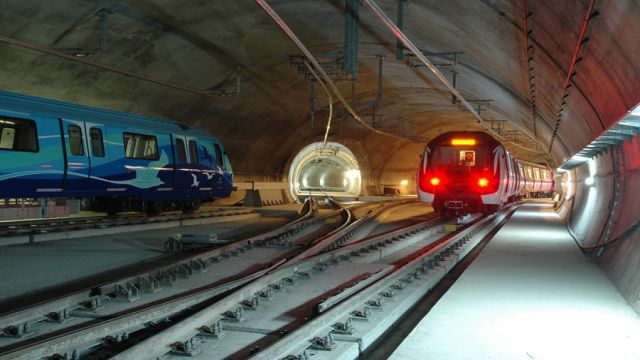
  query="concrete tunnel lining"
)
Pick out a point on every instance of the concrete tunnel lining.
point(180, 44)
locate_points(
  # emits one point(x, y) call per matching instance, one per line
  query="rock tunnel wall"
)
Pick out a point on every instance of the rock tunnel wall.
point(606, 216)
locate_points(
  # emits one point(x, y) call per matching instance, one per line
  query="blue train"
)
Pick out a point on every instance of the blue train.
point(112, 161)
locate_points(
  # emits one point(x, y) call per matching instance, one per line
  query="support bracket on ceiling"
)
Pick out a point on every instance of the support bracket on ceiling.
point(400, 24)
point(103, 14)
point(352, 20)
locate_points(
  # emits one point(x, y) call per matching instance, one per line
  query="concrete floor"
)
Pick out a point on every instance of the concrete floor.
point(531, 294)
point(33, 267)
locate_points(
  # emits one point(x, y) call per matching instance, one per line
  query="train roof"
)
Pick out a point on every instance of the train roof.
point(30, 105)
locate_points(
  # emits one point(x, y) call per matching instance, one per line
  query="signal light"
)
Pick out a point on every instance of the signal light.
point(463, 141)
point(435, 181)
point(483, 182)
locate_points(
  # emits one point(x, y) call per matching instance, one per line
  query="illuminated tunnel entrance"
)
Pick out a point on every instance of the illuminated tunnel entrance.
point(329, 169)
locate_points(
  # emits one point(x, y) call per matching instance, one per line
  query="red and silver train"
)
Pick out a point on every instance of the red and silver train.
point(469, 171)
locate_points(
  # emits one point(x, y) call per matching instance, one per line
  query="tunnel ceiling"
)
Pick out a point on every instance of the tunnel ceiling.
point(197, 47)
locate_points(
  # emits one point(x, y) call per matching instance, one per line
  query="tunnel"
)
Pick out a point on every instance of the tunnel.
point(339, 98)
point(329, 169)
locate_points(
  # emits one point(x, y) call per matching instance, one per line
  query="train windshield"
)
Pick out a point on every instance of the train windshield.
point(456, 157)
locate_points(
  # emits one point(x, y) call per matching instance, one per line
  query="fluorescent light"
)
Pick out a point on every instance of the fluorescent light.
point(404, 182)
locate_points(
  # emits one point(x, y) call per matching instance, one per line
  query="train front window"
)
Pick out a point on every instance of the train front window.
point(18, 135)
point(467, 158)
point(457, 157)
point(75, 140)
point(219, 160)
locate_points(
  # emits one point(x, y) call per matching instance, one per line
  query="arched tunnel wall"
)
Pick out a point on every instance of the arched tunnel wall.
point(264, 124)
point(608, 212)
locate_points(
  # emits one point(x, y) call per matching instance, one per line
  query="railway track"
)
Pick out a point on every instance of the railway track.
point(84, 320)
point(184, 285)
point(333, 304)
point(47, 226)
point(25, 231)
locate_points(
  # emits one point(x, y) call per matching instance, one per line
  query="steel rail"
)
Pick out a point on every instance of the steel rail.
point(39, 311)
point(347, 233)
point(118, 324)
point(52, 226)
point(125, 323)
point(418, 275)
point(212, 316)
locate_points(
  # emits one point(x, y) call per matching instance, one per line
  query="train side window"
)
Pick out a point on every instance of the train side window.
point(219, 160)
point(97, 143)
point(75, 140)
point(141, 147)
point(181, 152)
point(193, 152)
point(18, 135)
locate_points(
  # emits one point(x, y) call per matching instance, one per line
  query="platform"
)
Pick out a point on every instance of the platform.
point(531, 294)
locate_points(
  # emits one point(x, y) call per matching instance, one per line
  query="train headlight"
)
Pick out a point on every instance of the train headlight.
point(483, 182)
point(435, 181)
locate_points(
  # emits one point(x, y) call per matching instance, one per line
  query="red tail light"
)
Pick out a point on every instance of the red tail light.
point(430, 181)
point(487, 183)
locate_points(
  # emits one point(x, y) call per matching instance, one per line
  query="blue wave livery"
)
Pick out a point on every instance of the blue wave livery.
point(112, 161)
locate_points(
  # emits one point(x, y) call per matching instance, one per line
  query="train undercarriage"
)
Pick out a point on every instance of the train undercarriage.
point(114, 205)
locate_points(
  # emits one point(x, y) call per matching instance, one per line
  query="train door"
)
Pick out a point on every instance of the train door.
point(523, 179)
point(516, 176)
point(30, 156)
point(78, 162)
point(183, 179)
point(220, 180)
point(210, 173)
point(194, 165)
point(99, 158)
point(511, 181)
